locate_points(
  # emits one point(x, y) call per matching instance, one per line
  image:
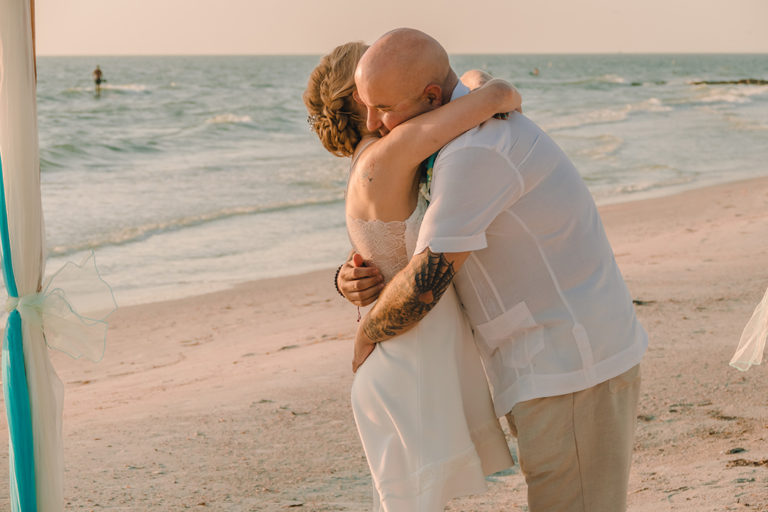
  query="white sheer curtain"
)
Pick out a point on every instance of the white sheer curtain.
point(19, 147)
point(753, 338)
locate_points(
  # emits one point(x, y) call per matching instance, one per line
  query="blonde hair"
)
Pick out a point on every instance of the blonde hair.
point(330, 105)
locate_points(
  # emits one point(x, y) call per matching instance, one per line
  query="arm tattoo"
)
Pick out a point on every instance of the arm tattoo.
point(410, 296)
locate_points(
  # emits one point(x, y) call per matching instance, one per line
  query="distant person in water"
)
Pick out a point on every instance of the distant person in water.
point(98, 79)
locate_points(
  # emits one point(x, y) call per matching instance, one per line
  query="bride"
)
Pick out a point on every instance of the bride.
point(420, 401)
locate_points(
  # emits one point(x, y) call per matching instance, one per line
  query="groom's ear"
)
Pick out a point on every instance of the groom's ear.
point(434, 95)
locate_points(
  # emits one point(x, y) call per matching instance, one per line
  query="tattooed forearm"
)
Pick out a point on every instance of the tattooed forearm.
point(410, 296)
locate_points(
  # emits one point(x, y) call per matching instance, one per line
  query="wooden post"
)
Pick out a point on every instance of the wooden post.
point(32, 19)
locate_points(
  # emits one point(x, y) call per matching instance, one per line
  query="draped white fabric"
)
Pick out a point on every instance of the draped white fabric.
point(19, 147)
point(753, 338)
point(59, 308)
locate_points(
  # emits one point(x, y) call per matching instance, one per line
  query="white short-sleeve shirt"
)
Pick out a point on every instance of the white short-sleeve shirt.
point(550, 310)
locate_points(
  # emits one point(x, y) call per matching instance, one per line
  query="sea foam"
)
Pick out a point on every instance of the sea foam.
point(228, 119)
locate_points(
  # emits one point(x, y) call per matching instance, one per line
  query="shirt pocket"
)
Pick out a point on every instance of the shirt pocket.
point(515, 335)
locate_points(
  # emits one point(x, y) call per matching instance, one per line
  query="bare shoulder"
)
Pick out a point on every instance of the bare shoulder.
point(364, 159)
point(364, 147)
point(361, 187)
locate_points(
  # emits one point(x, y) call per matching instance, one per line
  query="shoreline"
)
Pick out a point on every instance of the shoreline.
point(673, 190)
point(603, 207)
point(129, 297)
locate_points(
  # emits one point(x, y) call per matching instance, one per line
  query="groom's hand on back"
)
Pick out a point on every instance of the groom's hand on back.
point(359, 282)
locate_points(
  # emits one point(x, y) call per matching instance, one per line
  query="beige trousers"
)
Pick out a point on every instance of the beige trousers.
point(575, 450)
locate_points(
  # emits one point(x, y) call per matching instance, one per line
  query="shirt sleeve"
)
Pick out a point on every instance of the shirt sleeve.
point(471, 186)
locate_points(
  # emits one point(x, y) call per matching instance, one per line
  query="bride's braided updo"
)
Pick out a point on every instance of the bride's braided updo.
point(330, 105)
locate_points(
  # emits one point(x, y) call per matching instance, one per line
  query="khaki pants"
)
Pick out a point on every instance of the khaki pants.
point(575, 450)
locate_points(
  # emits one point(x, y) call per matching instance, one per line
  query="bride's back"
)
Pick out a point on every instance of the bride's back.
point(382, 221)
point(372, 197)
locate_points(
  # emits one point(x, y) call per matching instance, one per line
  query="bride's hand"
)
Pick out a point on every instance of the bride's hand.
point(476, 78)
point(359, 284)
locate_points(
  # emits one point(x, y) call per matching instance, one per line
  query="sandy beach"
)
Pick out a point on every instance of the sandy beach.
point(239, 400)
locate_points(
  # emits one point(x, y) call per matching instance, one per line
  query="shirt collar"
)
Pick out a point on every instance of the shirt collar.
point(459, 91)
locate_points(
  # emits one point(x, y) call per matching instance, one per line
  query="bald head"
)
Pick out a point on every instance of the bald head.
point(405, 55)
point(405, 72)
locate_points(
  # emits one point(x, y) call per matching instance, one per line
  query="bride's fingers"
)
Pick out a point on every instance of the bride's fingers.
point(350, 273)
point(365, 296)
point(359, 285)
point(360, 272)
point(358, 279)
point(363, 272)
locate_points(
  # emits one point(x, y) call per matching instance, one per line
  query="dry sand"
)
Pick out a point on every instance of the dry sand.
point(239, 400)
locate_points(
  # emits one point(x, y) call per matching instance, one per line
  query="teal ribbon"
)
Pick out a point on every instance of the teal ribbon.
point(426, 182)
point(15, 388)
point(431, 160)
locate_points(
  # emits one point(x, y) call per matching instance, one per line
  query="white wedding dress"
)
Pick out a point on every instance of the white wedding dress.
point(421, 401)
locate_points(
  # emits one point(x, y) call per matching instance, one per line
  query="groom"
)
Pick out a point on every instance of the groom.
point(513, 226)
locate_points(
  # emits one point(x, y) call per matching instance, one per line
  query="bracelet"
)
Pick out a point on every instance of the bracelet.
point(336, 280)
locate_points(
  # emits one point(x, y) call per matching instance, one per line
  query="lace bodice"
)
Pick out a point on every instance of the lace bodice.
point(389, 245)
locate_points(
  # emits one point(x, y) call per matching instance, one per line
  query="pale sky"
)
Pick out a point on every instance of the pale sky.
point(148, 27)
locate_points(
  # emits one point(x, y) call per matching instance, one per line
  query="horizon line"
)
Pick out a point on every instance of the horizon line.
point(450, 54)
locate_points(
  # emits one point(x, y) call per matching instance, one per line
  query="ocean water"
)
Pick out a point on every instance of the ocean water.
point(190, 174)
